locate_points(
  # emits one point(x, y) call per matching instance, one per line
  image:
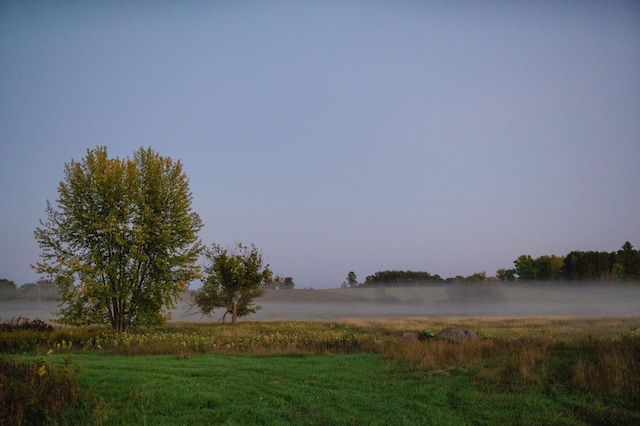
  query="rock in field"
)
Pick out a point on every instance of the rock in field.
point(456, 333)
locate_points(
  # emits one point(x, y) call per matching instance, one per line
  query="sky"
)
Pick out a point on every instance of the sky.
point(338, 136)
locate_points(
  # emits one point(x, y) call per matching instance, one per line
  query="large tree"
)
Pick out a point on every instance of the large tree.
point(629, 259)
point(122, 242)
point(232, 280)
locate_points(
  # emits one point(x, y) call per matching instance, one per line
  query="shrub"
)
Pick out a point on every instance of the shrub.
point(34, 392)
point(21, 324)
point(37, 341)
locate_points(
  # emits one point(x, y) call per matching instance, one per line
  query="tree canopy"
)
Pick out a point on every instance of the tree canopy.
point(623, 265)
point(232, 280)
point(121, 243)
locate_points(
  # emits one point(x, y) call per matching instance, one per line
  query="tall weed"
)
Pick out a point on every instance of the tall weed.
point(34, 392)
point(610, 366)
point(586, 364)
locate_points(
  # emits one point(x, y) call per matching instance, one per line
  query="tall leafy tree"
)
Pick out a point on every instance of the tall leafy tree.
point(525, 267)
point(232, 280)
point(548, 268)
point(629, 259)
point(589, 266)
point(122, 242)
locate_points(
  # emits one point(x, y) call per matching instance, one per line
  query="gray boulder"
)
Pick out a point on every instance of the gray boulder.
point(456, 333)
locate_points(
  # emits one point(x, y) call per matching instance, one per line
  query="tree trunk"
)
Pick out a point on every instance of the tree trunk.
point(234, 314)
point(120, 323)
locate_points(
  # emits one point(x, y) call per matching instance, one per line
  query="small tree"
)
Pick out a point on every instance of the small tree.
point(275, 283)
point(288, 283)
point(352, 280)
point(121, 245)
point(232, 280)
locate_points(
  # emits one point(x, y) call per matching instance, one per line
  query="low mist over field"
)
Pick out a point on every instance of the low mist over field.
point(460, 300)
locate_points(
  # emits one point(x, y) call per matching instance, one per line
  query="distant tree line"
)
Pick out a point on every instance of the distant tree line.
point(412, 278)
point(280, 283)
point(42, 290)
point(401, 277)
point(621, 265)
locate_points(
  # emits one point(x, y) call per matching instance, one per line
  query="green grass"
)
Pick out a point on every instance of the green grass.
point(324, 389)
point(520, 371)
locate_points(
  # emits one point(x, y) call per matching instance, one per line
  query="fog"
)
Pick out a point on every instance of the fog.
point(459, 300)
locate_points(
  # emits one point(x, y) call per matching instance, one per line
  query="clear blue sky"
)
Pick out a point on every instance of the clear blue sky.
point(448, 137)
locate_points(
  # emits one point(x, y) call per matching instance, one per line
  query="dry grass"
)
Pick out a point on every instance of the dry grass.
point(600, 365)
point(600, 354)
point(560, 328)
point(610, 366)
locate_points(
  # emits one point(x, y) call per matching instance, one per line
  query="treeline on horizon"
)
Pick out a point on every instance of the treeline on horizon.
point(42, 290)
point(577, 266)
point(582, 266)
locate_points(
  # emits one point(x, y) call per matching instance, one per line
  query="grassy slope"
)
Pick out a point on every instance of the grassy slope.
point(328, 389)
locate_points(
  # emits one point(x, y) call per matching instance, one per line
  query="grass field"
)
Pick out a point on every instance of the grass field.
point(322, 389)
point(520, 371)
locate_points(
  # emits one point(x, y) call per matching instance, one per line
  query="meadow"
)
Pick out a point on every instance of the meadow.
point(562, 370)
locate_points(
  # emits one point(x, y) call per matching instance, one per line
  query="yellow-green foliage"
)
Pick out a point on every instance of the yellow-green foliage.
point(300, 338)
point(139, 207)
